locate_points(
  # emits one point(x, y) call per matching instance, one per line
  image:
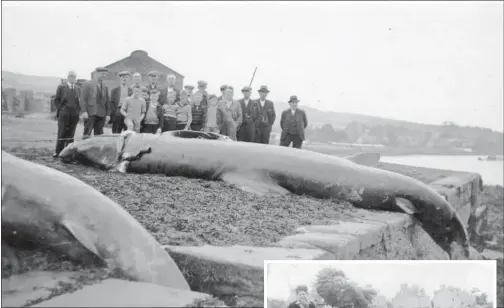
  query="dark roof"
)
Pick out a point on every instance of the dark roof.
point(145, 55)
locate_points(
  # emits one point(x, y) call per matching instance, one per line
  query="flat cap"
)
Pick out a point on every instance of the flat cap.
point(293, 99)
point(189, 87)
point(202, 83)
point(101, 69)
point(153, 73)
point(224, 86)
point(154, 91)
point(246, 89)
point(144, 89)
point(124, 73)
point(263, 89)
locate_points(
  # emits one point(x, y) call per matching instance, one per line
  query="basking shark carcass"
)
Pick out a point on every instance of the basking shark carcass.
point(265, 169)
point(54, 210)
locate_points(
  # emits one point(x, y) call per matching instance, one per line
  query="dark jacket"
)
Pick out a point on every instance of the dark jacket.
point(298, 119)
point(162, 95)
point(115, 98)
point(250, 112)
point(267, 114)
point(296, 304)
point(159, 112)
point(95, 102)
point(61, 100)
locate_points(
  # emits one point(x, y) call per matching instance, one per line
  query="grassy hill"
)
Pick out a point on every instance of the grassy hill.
point(44, 84)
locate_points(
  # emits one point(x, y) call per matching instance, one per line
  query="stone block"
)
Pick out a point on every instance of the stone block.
point(122, 293)
point(234, 270)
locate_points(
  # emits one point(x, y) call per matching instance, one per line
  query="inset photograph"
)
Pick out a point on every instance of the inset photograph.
point(380, 284)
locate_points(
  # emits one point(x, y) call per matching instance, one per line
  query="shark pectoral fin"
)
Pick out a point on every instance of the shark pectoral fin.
point(406, 206)
point(83, 236)
point(254, 183)
point(366, 159)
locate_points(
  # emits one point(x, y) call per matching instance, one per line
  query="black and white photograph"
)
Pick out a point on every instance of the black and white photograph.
point(380, 284)
point(157, 153)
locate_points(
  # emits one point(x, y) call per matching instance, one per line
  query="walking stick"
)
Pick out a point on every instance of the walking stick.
point(251, 80)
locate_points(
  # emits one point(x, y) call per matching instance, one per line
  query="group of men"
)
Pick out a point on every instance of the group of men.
point(246, 119)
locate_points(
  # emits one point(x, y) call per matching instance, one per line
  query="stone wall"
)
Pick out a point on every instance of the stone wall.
point(367, 235)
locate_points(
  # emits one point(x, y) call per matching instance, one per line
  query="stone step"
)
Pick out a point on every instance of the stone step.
point(122, 293)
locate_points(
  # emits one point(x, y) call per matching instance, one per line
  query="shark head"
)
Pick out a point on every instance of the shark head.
point(103, 151)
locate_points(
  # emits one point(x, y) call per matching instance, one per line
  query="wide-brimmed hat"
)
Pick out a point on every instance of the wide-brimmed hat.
point(293, 99)
point(263, 89)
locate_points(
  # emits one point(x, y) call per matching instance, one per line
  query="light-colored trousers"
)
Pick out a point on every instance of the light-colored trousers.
point(132, 124)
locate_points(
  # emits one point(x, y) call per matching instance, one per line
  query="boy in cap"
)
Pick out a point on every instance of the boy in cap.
point(293, 123)
point(117, 97)
point(170, 110)
point(198, 111)
point(250, 112)
point(202, 85)
point(212, 118)
point(171, 80)
point(133, 110)
point(95, 104)
point(154, 85)
point(222, 90)
point(153, 121)
point(266, 118)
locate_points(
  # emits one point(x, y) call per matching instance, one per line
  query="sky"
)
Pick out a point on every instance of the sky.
point(387, 276)
point(419, 61)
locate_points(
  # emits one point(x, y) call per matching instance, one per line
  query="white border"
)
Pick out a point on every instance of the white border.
point(468, 262)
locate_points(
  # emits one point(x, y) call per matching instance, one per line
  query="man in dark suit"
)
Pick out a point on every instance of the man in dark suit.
point(154, 85)
point(250, 113)
point(266, 118)
point(117, 97)
point(95, 104)
point(293, 122)
point(67, 101)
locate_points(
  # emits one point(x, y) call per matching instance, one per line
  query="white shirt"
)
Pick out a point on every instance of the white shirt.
point(261, 103)
point(71, 85)
point(229, 104)
point(293, 111)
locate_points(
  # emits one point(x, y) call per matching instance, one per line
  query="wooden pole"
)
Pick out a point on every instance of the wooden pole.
point(253, 75)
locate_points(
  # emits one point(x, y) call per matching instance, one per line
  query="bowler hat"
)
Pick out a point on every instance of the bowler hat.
point(124, 73)
point(246, 89)
point(293, 99)
point(202, 83)
point(101, 69)
point(153, 73)
point(263, 89)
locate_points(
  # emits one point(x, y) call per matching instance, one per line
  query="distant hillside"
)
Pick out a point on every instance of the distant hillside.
point(355, 125)
point(340, 120)
point(27, 82)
